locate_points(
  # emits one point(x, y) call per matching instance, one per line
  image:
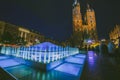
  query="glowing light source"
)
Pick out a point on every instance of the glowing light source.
point(45, 52)
point(89, 41)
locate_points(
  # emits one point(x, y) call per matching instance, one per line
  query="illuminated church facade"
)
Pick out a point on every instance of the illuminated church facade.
point(84, 28)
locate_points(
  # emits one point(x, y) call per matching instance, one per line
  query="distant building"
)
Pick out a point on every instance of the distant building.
point(8, 31)
point(84, 29)
point(17, 34)
point(115, 34)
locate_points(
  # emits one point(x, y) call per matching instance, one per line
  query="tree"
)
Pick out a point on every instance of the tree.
point(7, 38)
point(77, 39)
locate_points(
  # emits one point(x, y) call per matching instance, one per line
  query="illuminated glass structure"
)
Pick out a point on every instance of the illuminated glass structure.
point(44, 53)
point(46, 57)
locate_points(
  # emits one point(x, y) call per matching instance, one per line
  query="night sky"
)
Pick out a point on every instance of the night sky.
point(53, 18)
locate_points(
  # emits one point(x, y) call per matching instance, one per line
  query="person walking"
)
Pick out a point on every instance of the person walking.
point(103, 48)
point(111, 48)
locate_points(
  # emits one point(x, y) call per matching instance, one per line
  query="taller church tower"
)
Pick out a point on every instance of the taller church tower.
point(77, 17)
point(77, 25)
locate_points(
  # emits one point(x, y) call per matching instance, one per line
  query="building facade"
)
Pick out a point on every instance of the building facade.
point(84, 29)
point(115, 34)
point(10, 33)
point(36, 38)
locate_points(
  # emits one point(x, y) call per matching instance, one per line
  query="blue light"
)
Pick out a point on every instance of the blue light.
point(80, 56)
point(75, 60)
point(69, 68)
point(89, 41)
point(3, 57)
point(8, 63)
point(91, 57)
point(54, 64)
point(45, 52)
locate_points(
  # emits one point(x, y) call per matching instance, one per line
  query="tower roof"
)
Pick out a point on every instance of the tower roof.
point(89, 8)
point(76, 2)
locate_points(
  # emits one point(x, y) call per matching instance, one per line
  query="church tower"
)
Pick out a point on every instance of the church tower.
point(90, 18)
point(77, 17)
point(83, 29)
point(91, 22)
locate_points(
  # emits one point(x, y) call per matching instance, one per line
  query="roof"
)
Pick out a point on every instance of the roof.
point(46, 46)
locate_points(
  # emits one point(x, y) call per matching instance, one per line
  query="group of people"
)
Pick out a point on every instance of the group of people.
point(105, 49)
point(109, 49)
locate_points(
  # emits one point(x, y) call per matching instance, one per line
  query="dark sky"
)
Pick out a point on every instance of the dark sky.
point(53, 18)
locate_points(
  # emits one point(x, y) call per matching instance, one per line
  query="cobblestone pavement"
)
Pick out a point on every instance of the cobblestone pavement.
point(101, 67)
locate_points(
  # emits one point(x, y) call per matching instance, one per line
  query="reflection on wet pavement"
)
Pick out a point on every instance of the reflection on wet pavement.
point(100, 67)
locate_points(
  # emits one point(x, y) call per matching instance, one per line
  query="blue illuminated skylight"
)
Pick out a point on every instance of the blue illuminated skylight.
point(75, 60)
point(69, 68)
point(80, 55)
point(8, 63)
point(3, 57)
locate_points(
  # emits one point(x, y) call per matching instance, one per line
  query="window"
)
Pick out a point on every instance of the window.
point(91, 21)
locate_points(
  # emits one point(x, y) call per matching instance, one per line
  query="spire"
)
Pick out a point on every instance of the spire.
point(88, 6)
point(76, 1)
